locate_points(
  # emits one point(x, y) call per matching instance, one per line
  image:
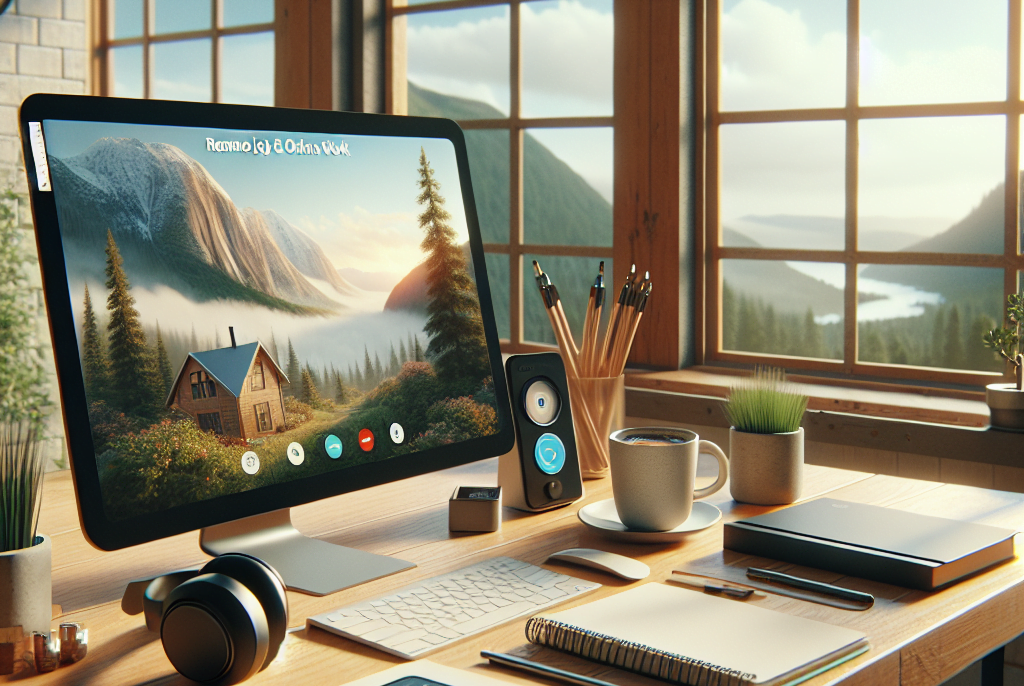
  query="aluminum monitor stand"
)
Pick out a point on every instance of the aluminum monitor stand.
point(306, 564)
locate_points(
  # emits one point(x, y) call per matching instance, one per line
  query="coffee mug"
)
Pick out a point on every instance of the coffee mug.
point(653, 475)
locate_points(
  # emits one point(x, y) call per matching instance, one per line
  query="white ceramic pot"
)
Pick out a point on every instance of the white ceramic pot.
point(1005, 405)
point(25, 592)
point(766, 469)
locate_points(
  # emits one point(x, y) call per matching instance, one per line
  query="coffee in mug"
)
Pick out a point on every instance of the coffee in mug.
point(653, 475)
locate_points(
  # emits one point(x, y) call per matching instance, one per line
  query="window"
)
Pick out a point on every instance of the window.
point(531, 83)
point(205, 50)
point(257, 383)
point(263, 421)
point(202, 385)
point(209, 421)
point(863, 184)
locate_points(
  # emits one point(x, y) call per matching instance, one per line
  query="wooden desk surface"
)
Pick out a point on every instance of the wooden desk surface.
point(916, 637)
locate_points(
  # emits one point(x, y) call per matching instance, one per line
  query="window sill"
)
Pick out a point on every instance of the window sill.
point(900, 422)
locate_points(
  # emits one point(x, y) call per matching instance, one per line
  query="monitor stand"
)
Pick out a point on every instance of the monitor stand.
point(306, 564)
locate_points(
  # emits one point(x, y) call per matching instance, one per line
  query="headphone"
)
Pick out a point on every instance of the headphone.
point(220, 624)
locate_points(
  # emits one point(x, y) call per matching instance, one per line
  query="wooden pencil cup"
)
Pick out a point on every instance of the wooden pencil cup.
point(598, 409)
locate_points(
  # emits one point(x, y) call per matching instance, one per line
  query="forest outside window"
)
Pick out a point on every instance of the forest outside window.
point(863, 184)
point(531, 84)
point(202, 50)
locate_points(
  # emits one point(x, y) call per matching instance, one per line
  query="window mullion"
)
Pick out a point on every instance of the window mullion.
point(1011, 246)
point(852, 167)
point(147, 18)
point(515, 299)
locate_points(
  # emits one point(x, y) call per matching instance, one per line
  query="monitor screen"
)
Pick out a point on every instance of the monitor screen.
point(257, 307)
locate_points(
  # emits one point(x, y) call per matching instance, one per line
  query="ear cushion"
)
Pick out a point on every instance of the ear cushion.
point(268, 587)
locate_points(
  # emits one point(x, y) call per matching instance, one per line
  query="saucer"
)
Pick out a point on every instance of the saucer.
point(601, 516)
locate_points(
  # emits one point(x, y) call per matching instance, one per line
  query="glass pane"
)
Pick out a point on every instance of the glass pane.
point(932, 185)
point(127, 16)
point(489, 166)
point(181, 15)
point(573, 276)
point(498, 278)
point(780, 54)
point(181, 70)
point(458, 63)
point(567, 186)
point(928, 316)
point(242, 12)
point(567, 58)
point(247, 69)
point(783, 185)
point(126, 71)
point(928, 51)
point(783, 308)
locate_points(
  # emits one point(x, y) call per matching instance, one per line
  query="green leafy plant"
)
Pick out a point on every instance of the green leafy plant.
point(21, 484)
point(1007, 340)
point(765, 403)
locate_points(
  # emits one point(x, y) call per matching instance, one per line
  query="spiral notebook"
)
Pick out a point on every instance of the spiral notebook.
point(684, 636)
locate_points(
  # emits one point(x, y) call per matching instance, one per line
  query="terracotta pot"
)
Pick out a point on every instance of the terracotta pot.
point(766, 469)
point(1005, 405)
point(25, 593)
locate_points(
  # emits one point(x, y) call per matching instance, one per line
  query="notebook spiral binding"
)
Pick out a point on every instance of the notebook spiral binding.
point(634, 657)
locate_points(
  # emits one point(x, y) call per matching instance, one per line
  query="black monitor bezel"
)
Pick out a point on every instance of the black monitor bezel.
point(109, 534)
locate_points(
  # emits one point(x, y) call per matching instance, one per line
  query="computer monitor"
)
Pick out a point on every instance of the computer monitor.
point(255, 308)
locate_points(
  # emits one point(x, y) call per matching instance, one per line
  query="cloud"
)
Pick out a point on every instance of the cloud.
point(367, 241)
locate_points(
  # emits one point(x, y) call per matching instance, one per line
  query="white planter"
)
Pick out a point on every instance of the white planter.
point(1006, 406)
point(766, 469)
point(25, 592)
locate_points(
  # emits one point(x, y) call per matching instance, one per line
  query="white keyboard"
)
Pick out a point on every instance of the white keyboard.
point(432, 614)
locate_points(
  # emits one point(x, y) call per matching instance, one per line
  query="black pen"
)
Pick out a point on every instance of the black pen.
point(809, 585)
point(541, 669)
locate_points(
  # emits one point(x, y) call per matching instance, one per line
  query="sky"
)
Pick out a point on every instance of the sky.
point(780, 54)
point(567, 48)
point(361, 209)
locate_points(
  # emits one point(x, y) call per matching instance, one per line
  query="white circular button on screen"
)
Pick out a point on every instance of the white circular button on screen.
point(296, 454)
point(541, 402)
point(250, 462)
point(397, 433)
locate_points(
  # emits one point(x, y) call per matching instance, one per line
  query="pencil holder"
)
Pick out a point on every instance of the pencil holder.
point(598, 409)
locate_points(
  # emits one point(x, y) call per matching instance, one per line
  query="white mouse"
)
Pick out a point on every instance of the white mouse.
point(620, 565)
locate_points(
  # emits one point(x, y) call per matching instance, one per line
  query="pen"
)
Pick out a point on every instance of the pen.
point(543, 670)
point(707, 586)
point(809, 585)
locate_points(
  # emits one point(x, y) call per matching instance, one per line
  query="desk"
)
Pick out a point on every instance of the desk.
point(916, 637)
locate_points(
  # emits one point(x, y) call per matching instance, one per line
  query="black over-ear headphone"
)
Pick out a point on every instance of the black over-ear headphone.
point(220, 624)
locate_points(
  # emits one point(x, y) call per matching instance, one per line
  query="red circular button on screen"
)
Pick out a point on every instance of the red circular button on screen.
point(366, 440)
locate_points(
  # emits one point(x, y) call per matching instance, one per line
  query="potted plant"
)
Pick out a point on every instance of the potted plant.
point(24, 555)
point(1006, 400)
point(766, 441)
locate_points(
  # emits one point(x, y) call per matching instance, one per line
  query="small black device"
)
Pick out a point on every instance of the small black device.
point(220, 624)
point(542, 471)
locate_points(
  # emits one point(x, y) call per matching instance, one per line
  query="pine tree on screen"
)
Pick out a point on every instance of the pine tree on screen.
point(293, 369)
point(403, 353)
point(394, 366)
point(339, 390)
point(94, 360)
point(418, 355)
point(457, 346)
point(129, 355)
point(310, 395)
point(163, 364)
point(368, 374)
point(193, 343)
point(378, 369)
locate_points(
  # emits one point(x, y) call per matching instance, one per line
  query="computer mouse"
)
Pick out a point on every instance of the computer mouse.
point(620, 565)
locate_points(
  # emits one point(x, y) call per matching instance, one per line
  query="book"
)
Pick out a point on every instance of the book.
point(688, 637)
point(872, 542)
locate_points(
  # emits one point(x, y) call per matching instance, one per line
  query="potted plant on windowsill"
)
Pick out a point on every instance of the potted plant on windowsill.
point(1006, 400)
point(766, 441)
point(24, 555)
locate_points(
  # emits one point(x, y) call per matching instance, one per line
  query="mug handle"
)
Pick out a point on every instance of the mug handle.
point(709, 448)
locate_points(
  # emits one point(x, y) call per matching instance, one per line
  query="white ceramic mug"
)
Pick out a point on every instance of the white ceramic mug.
point(653, 473)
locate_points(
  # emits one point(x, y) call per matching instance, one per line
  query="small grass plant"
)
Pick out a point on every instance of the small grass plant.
point(765, 403)
point(22, 465)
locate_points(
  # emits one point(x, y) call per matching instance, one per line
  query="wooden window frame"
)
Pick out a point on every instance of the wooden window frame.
point(213, 419)
point(851, 113)
point(103, 41)
point(253, 385)
point(268, 425)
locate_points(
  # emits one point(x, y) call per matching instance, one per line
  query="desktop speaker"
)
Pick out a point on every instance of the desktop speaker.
point(542, 471)
point(220, 624)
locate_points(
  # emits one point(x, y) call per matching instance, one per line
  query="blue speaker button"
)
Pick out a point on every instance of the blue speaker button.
point(549, 453)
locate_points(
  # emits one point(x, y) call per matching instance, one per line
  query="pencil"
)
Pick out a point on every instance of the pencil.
point(613, 324)
point(591, 323)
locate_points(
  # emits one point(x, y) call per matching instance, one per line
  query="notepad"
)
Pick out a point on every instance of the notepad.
point(681, 635)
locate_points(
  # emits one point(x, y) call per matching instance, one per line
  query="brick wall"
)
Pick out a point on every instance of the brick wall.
point(43, 49)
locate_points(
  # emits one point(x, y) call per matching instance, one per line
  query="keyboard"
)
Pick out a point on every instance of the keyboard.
point(432, 614)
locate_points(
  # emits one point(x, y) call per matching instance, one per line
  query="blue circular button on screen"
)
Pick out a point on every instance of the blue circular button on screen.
point(549, 453)
point(332, 444)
